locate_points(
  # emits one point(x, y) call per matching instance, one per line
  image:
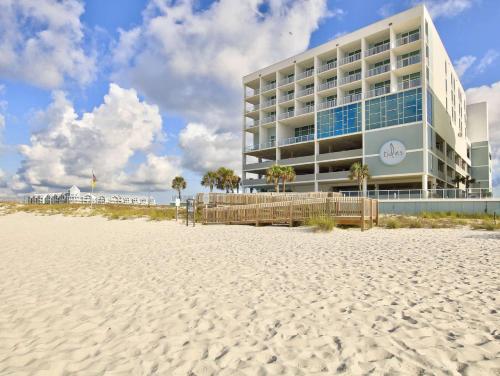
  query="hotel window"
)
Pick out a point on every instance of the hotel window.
point(426, 28)
point(430, 109)
point(395, 109)
point(304, 131)
point(353, 53)
point(381, 63)
point(331, 61)
point(409, 58)
point(380, 43)
point(409, 80)
point(339, 121)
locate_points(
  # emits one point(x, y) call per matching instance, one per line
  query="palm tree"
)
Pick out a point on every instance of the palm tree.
point(273, 175)
point(468, 181)
point(209, 180)
point(224, 178)
point(457, 180)
point(178, 183)
point(287, 174)
point(235, 183)
point(359, 172)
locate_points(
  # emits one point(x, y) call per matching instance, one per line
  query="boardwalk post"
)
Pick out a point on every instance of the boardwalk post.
point(378, 211)
point(363, 214)
point(371, 212)
point(257, 213)
point(291, 213)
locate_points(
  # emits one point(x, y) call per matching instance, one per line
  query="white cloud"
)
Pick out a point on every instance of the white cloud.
point(68, 147)
point(463, 64)
point(490, 94)
point(191, 62)
point(41, 42)
point(447, 8)
point(487, 60)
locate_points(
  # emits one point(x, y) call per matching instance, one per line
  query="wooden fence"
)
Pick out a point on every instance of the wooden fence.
point(345, 210)
point(225, 199)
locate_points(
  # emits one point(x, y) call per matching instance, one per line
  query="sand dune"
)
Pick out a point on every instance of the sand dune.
point(90, 296)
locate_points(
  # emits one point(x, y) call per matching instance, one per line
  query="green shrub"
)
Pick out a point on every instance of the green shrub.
point(323, 224)
point(415, 223)
point(486, 225)
point(393, 223)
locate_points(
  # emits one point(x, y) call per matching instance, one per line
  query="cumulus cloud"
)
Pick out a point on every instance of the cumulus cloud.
point(487, 60)
point(41, 42)
point(64, 151)
point(490, 94)
point(447, 8)
point(192, 61)
point(463, 64)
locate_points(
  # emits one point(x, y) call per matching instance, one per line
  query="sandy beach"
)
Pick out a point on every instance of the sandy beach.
point(91, 296)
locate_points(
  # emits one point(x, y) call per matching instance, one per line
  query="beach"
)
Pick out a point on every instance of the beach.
point(91, 296)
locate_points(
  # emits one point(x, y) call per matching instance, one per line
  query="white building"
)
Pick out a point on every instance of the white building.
point(75, 196)
point(386, 95)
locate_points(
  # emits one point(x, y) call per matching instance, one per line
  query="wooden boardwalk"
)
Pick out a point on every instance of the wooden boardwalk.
point(225, 199)
point(345, 210)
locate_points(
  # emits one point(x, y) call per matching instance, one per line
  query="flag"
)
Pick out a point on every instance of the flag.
point(94, 180)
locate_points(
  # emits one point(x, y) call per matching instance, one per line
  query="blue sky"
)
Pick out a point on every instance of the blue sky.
point(148, 90)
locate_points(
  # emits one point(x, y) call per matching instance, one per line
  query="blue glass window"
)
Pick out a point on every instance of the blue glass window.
point(430, 110)
point(339, 121)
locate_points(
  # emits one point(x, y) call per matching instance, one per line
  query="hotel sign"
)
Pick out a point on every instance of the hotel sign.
point(392, 152)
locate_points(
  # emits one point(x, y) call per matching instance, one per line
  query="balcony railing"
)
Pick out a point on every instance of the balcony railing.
point(305, 92)
point(408, 61)
point(418, 194)
point(295, 140)
point(252, 125)
point(255, 107)
point(378, 49)
point(269, 103)
point(351, 78)
point(408, 39)
point(268, 119)
point(265, 145)
point(327, 67)
point(378, 70)
point(268, 87)
point(287, 97)
point(252, 93)
point(351, 98)
point(416, 82)
point(327, 85)
point(287, 80)
point(378, 91)
point(306, 73)
point(350, 59)
point(327, 104)
point(286, 115)
point(305, 110)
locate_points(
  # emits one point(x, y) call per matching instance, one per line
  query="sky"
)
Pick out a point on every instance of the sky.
point(144, 90)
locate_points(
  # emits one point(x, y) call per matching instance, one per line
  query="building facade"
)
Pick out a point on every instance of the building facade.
point(386, 95)
point(75, 196)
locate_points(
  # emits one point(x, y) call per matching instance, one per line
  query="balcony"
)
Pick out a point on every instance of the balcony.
point(350, 59)
point(305, 110)
point(351, 78)
point(378, 70)
point(258, 166)
point(333, 175)
point(327, 104)
point(286, 81)
point(303, 93)
point(378, 49)
point(416, 82)
point(286, 98)
point(408, 39)
point(268, 119)
point(269, 103)
point(327, 85)
point(351, 98)
point(303, 178)
point(265, 145)
point(286, 115)
point(255, 107)
point(327, 67)
point(268, 87)
point(408, 61)
point(378, 91)
point(251, 182)
point(345, 154)
point(306, 73)
point(252, 125)
point(253, 93)
point(296, 140)
point(296, 160)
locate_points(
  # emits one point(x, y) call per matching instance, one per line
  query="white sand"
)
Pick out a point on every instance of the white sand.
point(91, 296)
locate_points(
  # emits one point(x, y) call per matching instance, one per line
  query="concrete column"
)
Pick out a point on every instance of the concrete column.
point(424, 186)
point(365, 187)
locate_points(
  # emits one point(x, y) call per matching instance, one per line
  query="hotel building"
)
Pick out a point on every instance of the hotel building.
point(386, 95)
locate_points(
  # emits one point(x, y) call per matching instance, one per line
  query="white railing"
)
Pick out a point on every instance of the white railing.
point(252, 93)
point(265, 145)
point(350, 59)
point(306, 73)
point(252, 125)
point(351, 78)
point(420, 194)
point(268, 87)
point(295, 140)
point(409, 84)
point(255, 107)
point(378, 70)
point(327, 67)
point(287, 80)
point(305, 110)
point(307, 91)
point(378, 91)
point(286, 115)
point(327, 104)
point(287, 97)
point(378, 49)
point(408, 61)
point(351, 98)
point(327, 85)
point(269, 103)
point(268, 119)
point(408, 39)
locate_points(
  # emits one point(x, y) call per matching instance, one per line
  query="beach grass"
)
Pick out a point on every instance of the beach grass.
point(321, 224)
point(440, 220)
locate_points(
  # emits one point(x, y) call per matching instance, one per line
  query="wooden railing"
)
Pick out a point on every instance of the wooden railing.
point(218, 199)
point(345, 210)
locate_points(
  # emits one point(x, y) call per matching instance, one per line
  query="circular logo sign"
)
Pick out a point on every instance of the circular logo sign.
point(392, 152)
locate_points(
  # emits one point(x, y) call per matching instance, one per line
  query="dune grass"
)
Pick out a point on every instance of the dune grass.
point(321, 224)
point(440, 220)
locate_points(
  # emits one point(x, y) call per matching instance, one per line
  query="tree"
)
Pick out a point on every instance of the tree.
point(359, 172)
point(235, 183)
point(457, 180)
point(225, 178)
point(468, 181)
point(273, 175)
point(178, 183)
point(209, 180)
point(287, 174)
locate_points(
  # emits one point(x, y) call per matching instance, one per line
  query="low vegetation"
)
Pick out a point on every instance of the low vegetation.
point(441, 220)
point(321, 224)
